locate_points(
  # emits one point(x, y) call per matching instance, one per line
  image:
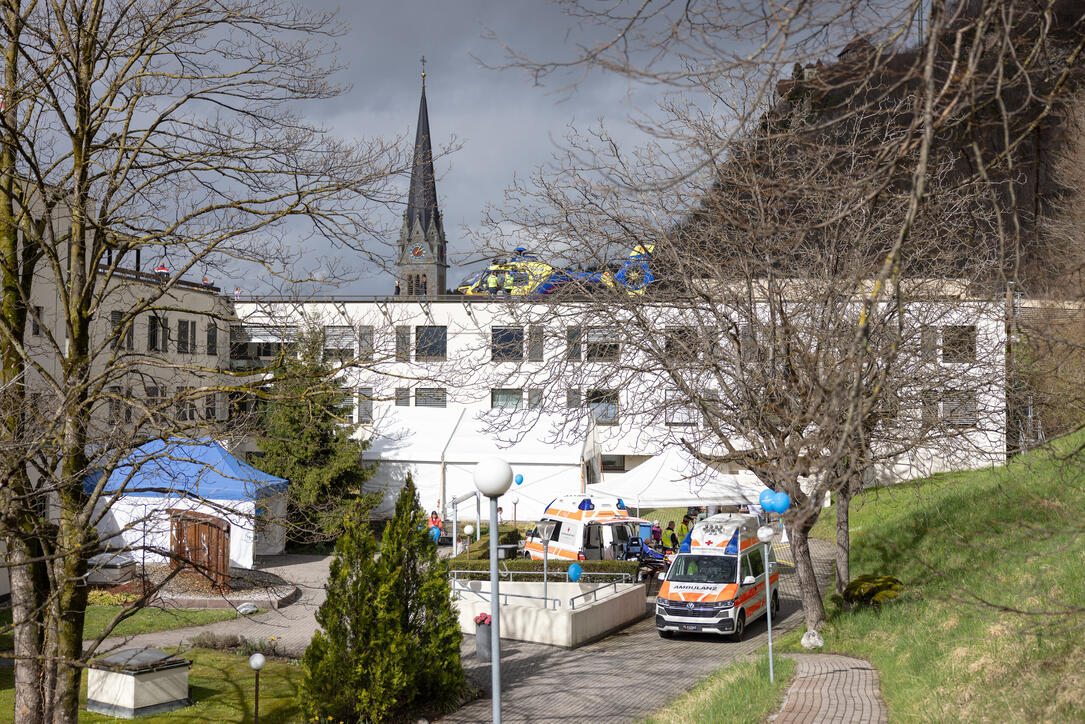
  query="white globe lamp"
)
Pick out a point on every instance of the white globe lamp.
point(764, 534)
point(493, 476)
point(468, 530)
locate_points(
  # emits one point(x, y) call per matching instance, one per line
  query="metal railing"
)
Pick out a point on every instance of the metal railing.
point(594, 594)
point(485, 595)
point(554, 576)
point(460, 587)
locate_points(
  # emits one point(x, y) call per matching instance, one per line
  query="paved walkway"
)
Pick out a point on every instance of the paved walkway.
point(831, 688)
point(624, 677)
point(292, 626)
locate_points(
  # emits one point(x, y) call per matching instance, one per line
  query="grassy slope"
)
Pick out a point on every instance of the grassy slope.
point(1006, 536)
point(739, 693)
point(222, 686)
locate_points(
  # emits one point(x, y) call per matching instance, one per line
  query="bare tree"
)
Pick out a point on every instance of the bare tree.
point(161, 130)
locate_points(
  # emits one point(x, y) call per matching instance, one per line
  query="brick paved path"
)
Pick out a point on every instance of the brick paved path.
point(292, 626)
point(831, 688)
point(624, 677)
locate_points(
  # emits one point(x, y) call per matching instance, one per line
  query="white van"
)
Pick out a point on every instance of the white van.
point(719, 585)
point(583, 528)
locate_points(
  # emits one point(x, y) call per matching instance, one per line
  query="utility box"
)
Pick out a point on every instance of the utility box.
point(137, 682)
point(110, 569)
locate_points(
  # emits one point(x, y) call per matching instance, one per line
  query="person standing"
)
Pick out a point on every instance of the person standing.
point(670, 538)
point(425, 285)
point(491, 282)
point(683, 529)
point(237, 294)
point(398, 291)
point(509, 283)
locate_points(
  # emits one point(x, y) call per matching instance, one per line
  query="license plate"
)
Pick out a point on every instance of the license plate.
point(690, 627)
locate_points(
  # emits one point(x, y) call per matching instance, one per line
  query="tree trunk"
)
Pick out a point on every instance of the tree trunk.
point(843, 538)
point(72, 592)
point(27, 611)
point(813, 608)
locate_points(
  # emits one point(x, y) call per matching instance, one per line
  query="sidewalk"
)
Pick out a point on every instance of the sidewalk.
point(292, 626)
point(831, 688)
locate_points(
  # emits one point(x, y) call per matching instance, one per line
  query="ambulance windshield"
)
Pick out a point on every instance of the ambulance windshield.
point(689, 568)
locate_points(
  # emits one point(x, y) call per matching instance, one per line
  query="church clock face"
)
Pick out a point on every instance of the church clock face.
point(417, 251)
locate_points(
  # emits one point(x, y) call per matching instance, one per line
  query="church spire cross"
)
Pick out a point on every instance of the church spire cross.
point(423, 71)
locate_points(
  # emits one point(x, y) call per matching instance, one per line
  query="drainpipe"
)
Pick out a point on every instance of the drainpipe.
point(443, 451)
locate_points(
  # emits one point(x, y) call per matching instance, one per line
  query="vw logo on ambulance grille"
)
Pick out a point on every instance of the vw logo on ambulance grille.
point(690, 605)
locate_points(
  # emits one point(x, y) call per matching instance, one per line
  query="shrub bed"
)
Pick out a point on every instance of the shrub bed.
point(557, 567)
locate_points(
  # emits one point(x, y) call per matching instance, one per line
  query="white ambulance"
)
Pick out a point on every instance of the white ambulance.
point(719, 585)
point(582, 527)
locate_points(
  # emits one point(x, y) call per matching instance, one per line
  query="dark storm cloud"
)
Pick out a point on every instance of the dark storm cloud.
point(506, 125)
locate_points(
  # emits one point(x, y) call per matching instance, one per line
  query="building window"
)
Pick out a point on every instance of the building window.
point(959, 343)
point(959, 408)
point(613, 463)
point(403, 344)
point(929, 411)
point(35, 322)
point(210, 407)
point(186, 336)
point(535, 399)
point(186, 406)
point(677, 410)
point(928, 343)
point(572, 398)
point(508, 344)
point(573, 337)
point(365, 344)
point(115, 404)
point(603, 405)
point(535, 343)
point(431, 343)
point(430, 397)
point(212, 339)
point(157, 333)
point(601, 344)
point(403, 397)
point(338, 343)
point(365, 405)
point(506, 399)
point(127, 404)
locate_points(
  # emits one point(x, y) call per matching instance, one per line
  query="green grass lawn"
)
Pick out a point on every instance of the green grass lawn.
point(144, 621)
point(221, 685)
point(739, 694)
point(970, 547)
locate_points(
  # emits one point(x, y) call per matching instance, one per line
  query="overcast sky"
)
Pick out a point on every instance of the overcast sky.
point(506, 125)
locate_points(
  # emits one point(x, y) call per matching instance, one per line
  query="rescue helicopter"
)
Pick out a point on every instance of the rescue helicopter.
point(532, 277)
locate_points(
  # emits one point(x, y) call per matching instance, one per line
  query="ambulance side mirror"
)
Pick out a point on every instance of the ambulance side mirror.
point(661, 575)
point(749, 581)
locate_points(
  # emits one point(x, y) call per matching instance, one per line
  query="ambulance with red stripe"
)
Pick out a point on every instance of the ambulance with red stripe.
point(719, 585)
point(585, 528)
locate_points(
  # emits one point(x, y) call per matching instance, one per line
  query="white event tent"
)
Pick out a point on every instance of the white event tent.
point(439, 448)
point(674, 478)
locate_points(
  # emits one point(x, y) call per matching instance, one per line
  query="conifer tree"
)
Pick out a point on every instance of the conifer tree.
point(304, 436)
point(389, 647)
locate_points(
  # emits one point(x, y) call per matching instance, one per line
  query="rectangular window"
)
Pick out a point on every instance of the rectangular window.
point(430, 397)
point(929, 413)
point(928, 343)
point(677, 410)
point(186, 406)
point(114, 404)
point(959, 408)
point(365, 405)
point(163, 334)
point(535, 399)
point(603, 405)
point(403, 397)
point(212, 339)
point(35, 322)
point(338, 343)
point(572, 344)
point(431, 343)
point(508, 344)
point(186, 336)
point(572, 398)
point(613, 463)
point(601, 344)
point(365, 344)
point(403, 344)
point(959, 343)
point(210, 407)
point(127, 404)
point(506, 399)
point(115, 328)
point(535, 343)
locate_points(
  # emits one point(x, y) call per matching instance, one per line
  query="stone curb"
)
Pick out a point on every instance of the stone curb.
point(173, 602)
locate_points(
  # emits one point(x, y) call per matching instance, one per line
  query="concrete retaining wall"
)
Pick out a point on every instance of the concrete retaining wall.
point(526, 619)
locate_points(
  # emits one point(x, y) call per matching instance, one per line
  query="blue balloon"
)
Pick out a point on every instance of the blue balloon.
point(766, 499)
point(519, 478)
point(781, 502)
point(574, 572)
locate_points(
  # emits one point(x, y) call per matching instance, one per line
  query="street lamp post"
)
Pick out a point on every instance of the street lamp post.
point(764, 534)
point(257, 661)
point(515, 522)
point(467, 531)
point(492, 478)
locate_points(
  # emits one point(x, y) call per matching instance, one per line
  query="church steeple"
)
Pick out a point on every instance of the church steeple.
point(422, 238)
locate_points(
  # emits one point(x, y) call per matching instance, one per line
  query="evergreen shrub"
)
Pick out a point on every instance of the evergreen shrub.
point(390, 645)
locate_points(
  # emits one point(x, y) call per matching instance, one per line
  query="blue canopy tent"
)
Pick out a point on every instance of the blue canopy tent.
point(200, 476)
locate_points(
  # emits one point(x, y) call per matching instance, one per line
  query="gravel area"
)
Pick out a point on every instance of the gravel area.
point(245, 585)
